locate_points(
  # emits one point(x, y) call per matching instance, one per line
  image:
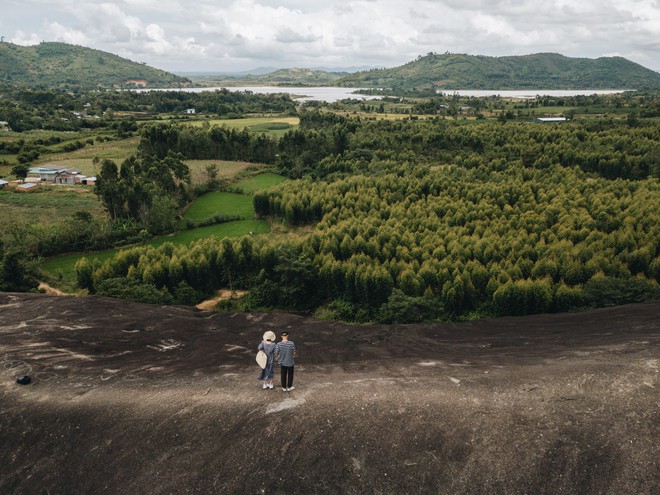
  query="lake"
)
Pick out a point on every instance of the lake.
point(315, 93)
point(332, 93)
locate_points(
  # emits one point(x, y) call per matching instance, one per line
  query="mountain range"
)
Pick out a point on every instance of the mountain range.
point(55, 65)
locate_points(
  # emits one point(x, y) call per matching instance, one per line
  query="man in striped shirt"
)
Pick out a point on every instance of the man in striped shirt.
point(285, 353)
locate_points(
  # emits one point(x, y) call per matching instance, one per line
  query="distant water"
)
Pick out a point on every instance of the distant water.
point(320, 93)
point(531, 93)
point(331, 93)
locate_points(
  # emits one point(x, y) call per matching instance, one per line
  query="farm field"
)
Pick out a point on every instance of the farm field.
point(48, 203)
point(61, 201)
point(271, 125)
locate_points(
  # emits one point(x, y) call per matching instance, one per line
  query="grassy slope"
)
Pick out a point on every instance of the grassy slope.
point(61, 64)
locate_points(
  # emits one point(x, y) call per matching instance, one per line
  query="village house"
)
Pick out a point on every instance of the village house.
point(3, 184)
point(56, 175)
point(68, 177)
point(190, 111)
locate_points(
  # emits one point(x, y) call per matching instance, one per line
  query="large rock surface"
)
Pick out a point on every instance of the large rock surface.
point(139, 399)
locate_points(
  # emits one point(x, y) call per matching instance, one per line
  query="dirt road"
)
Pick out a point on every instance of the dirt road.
point(130, 398)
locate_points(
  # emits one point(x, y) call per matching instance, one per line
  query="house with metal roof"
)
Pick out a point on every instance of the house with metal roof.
point(51, 173)
point(551, 119)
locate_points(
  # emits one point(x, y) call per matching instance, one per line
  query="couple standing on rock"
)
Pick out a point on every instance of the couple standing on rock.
point(284, 352)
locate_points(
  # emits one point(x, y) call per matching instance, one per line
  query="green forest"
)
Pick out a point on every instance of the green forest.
point(419, 220)
point(446, 71)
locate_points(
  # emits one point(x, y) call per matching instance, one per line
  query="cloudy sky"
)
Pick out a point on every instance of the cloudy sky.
point(235, 35)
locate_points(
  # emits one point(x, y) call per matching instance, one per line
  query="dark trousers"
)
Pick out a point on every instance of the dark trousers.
point(287, 376)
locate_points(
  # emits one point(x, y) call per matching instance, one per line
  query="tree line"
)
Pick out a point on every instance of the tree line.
point(327, 143)
point(26, 109)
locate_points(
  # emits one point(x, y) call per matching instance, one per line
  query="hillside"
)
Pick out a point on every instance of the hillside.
point(56, 65)
point(135, 398)
point(539, 71)
point(280, 77)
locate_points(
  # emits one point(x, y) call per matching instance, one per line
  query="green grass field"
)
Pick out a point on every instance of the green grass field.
point(276, 126)
point(60, 270)
point(222, 203)
point(259, 182)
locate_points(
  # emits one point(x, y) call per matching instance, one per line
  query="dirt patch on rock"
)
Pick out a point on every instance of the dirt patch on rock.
point(47, 289)
point(130, 398)
point(221, 295)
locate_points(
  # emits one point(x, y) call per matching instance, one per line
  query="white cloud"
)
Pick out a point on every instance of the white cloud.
point(241, 34)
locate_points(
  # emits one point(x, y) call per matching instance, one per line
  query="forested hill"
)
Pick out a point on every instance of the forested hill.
point(280, 77)
point(55, 65)
point(539, 71)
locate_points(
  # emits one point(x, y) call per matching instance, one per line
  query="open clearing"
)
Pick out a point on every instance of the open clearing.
point(130, 398)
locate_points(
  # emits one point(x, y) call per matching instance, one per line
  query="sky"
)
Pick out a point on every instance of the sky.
point(236, 35)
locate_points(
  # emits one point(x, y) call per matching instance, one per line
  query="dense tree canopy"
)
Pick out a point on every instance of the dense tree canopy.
point(418, 220)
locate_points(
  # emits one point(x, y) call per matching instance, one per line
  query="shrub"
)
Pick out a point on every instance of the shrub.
point(401, 308)
point(185, 294)
point(131, 290)
point(609, 291)
point(342, 310)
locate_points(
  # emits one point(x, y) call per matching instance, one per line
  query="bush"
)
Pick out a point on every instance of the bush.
point(85, 275)
point(609, 291)
point(123, 288)
point(185, 294)
point(342, 310)
point(401, 308)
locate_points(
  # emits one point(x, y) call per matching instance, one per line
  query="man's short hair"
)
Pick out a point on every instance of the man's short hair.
point(284, 333)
